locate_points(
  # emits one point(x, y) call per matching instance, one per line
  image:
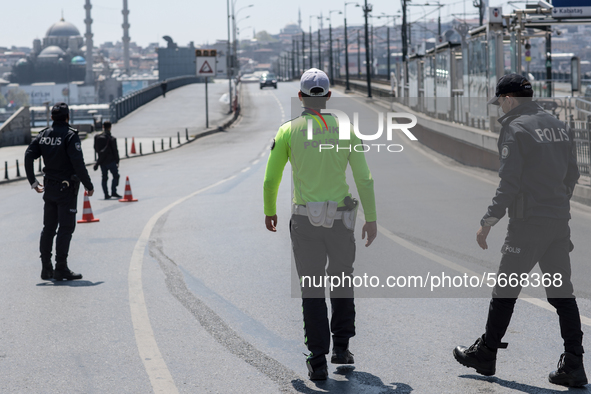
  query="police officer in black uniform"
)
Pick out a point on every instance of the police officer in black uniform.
point(538, 174)
point(64, 171)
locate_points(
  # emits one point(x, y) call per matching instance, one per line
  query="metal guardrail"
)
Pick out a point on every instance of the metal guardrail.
point(582, 132)
point(129, 103)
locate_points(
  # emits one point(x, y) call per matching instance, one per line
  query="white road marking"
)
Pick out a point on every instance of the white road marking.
point(160, 377)
point(280, 107)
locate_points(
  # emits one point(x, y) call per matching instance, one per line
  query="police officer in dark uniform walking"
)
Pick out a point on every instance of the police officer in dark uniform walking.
point(64, 171)
point(538, 175)
point(105, 145)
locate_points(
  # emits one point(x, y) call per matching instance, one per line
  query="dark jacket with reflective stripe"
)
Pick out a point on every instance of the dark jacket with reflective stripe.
point(538, 165)
point(62, 155)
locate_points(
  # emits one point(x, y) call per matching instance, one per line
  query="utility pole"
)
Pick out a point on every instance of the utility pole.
point(404, 32)
point(319, 45)
point(366, 11)
point(373, 72)
point(292, 58)
point(330, 51)
point(311, 66)
point(303, 51)
point(388, 51)
point(347, 85)
point(549, 61)
point(480, 5)
point(297, 57)
point(228, 57)
point(358, 53)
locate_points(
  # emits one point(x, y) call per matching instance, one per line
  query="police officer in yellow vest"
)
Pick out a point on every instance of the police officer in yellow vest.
point(323, 218)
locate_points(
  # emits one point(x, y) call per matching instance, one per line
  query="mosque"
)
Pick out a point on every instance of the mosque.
point(58, 58)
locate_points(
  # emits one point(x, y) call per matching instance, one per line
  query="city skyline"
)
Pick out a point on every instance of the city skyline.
point(192, 24)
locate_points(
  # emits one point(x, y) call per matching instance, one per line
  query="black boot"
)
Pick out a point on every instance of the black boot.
point(477, 356)
point(317, 368)
point(46, 270)
point(341, 356)
point(62, 272)
point(570, 372)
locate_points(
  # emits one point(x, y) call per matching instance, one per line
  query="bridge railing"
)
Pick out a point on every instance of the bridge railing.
point(582, 131)
point(129, 103)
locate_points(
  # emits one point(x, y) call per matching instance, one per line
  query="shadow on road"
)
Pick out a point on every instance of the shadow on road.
point(525, 388)
point(357, 382)
point(71, 283)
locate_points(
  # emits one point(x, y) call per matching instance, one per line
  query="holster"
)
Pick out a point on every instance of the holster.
point(350, 216)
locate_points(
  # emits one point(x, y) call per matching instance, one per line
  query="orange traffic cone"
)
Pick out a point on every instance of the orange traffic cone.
point(128, 197)
point(132, 151)
point(87, 216)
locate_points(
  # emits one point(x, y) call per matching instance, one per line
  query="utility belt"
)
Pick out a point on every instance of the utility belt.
point(324, 213)
point(65, 185)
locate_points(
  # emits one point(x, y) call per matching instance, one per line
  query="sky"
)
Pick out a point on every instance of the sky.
point(199, 21)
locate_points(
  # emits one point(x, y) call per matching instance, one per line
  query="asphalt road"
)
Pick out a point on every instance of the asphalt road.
point(185, 290)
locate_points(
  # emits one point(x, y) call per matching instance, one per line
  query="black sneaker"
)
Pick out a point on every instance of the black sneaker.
point(477, 356)
point(317, 368)
point(47, 273)
point(570, 372)
point(107, 197)
point(65, 274)
point(341, 356)
point(116, 195)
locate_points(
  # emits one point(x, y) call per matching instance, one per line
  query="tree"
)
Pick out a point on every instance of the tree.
point(263, 36)
point(18, 97)
point(3, 101)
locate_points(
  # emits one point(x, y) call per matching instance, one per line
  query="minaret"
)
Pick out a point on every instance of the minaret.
point(125, 37)
point(89, 80)
point(300, 18)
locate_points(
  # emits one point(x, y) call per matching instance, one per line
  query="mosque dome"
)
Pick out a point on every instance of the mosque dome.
point(78, 60)
point(62, 29)
point(52, 50)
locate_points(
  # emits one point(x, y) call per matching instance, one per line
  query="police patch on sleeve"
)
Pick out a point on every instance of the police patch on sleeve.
point(273, 144)
point(505, 152)
point(78, 147)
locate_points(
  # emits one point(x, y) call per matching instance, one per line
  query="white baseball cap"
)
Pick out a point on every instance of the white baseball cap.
point(314, 78)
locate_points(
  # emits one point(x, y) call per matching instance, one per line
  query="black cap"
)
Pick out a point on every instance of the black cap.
point(60, 111)
point(510, 83)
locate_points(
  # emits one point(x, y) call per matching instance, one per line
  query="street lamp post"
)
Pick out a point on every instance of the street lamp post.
point(303, 51)
point(228, 54)
point(330, 43)
point(311, 16)
point(319, 45)
point(297, 56)
point(366, 10)
point(347, 85)
point(388, 39)
point(358, 53)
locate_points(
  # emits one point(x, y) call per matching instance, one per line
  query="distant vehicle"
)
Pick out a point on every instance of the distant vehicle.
point(268, 79)
point(588, 91)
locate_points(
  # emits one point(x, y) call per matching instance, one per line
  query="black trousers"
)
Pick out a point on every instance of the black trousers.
point(59, 210)
point(547, 242)
point(312, 247)
point(105, 168)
